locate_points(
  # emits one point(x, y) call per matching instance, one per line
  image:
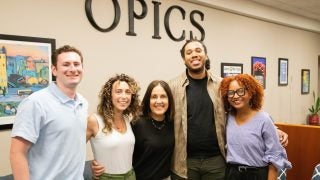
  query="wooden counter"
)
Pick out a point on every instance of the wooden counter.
point(303, 149)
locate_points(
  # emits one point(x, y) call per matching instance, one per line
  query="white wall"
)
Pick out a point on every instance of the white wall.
point(255, 10)
point(229, 37)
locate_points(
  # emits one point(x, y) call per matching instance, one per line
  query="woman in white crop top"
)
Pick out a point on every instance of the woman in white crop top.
point(109, 130)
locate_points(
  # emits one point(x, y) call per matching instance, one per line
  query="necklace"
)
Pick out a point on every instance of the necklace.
point(120, 129)
point(120, 126)
point(157, 125)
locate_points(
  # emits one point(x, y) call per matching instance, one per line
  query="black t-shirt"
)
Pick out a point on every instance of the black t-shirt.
point(202, 137)
point(153, 149)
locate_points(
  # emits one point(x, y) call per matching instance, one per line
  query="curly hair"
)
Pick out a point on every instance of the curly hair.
point(105, 107)
point(252, 86)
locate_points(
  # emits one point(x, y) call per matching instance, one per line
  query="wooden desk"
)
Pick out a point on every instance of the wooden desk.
point(303, 149)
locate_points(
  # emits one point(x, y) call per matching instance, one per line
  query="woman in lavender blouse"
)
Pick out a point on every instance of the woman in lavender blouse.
point(253, 147)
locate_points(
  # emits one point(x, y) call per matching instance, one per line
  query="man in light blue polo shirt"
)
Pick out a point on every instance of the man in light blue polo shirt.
point(48, 135)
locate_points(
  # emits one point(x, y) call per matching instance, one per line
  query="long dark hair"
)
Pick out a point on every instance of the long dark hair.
point(145, 104)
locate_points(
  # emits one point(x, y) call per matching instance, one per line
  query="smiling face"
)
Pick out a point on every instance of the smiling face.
point(159, 103)
point(195, 57)
point(68, 70)
point(241, 97)
point(121, 95)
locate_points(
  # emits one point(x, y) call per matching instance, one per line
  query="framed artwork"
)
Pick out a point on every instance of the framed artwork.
point(259, 69)
point(231, 69)
point(305, 81)
point(25, 67)
point(283, 72)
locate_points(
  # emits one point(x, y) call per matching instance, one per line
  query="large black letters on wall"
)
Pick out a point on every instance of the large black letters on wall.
point(132, 15)
point(116, 19)
point(166, 23)
point(196, 24)
point(156, 32)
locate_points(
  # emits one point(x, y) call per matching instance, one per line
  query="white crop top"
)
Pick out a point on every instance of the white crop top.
point(113, 150)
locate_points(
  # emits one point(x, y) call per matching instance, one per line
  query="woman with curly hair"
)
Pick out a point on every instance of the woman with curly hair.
point(253, 147)
point(109, 130)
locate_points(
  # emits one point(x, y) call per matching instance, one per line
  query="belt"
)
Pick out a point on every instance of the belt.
point(245, 168)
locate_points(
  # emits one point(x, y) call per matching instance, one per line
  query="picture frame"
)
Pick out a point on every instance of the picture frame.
point(231, 69)
point(283, 68)
point(305, 81)
point(259, 69)
point(25, 67)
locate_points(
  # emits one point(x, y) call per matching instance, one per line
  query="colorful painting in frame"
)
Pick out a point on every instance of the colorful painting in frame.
point(259, 69)
point(25, 67)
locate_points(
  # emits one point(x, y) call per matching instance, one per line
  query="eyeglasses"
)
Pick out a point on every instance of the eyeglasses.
point(240, 92)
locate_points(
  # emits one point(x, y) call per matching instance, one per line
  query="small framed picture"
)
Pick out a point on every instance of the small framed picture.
point(305, 81)
point(283, 72)
point(231, 69)
point(259, 69)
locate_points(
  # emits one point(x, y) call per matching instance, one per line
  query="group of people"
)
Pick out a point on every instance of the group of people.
point(193, 127)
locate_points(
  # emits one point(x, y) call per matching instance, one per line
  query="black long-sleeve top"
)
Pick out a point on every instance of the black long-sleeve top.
point(153, 149)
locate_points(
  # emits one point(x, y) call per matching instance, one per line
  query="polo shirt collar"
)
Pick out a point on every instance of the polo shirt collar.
point(63, 98)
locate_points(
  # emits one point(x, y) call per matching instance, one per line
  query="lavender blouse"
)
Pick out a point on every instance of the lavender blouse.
point(255, 143)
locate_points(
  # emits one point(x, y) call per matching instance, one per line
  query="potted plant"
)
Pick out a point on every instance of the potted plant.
point(313, 118)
